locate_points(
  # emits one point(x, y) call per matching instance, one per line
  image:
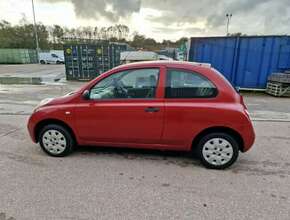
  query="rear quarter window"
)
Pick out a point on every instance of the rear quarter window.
point(187, 84)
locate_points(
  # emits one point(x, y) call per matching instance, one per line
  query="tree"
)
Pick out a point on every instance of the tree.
point(6, 32)
point(57, 34)
point(123, 31)
point(53, 37)
point(22, 36)
point(138, 41)
point(182, 40)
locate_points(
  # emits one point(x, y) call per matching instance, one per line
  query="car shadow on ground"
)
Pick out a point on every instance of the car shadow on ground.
point(182, 159)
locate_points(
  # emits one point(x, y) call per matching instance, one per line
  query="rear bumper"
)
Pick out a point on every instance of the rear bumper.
point(249, 136)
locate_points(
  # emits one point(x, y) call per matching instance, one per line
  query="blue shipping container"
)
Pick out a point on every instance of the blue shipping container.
point(246, 61)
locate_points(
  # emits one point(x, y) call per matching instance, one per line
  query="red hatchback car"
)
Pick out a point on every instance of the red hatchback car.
point(162, 105)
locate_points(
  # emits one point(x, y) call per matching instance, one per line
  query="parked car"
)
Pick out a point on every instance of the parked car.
point(50, 58)
point(164, 105)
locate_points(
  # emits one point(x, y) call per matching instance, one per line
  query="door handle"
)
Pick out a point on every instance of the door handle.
point(151, 109)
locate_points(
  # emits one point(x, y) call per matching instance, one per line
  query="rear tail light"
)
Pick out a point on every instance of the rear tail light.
point(244, 105)
point(247, 112)
point(242, 102)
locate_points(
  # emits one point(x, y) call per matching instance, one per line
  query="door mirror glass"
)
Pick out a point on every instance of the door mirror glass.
point(86, 95)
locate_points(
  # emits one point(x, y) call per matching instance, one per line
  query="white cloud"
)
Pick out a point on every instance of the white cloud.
point(160, 19)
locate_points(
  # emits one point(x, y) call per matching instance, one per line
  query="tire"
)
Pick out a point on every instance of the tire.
point(218, 150)
point(55, 140)
point(42, 62)
point(57, 62)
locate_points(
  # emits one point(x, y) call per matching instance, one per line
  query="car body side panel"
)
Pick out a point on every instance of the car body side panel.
point(120, 121)
point(186, 118)
point(63, 113)
point(185, 121)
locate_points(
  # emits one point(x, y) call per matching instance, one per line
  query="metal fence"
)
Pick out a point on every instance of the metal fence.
point(17, 56)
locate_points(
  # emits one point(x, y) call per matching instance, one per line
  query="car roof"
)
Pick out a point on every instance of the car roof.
point(164, 63)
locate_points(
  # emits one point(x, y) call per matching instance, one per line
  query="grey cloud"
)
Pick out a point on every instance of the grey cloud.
point(249, 16)
point(180, 11)
point(236, 8)
point(97, 8)
point(169, 18)
point(168, 30)
point(211, 11)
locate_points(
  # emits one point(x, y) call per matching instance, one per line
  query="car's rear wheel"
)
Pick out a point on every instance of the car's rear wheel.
point(42, 61)
point(55, 140)
point(218, 150)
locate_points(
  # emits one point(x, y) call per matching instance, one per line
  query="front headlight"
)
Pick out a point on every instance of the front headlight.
point(42, 102)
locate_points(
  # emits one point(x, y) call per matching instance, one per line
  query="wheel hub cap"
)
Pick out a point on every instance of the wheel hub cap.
point(217, 151)
point(54, 141)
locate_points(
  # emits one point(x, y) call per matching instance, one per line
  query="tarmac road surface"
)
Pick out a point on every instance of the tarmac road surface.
point(107, 183)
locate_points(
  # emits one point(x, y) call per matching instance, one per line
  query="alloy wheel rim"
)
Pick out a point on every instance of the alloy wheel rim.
point(217, 151)
point(54, 141)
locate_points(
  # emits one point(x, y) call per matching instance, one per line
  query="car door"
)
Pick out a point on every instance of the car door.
point(123, 108)
point(189, 104)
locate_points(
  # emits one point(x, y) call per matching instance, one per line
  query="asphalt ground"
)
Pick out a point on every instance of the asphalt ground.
point(110, 183)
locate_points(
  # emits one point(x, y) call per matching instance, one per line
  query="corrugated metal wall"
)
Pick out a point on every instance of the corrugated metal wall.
point(86, 61)
point(17, 56)
point(244, 61)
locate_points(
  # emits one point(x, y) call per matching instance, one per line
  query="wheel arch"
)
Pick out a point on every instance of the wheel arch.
point(45, 122)
point(226, 130)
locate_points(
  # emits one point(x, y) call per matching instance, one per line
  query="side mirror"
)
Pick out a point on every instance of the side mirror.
point(86, 95)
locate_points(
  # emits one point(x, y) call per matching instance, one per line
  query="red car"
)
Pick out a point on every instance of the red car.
point(178, 106)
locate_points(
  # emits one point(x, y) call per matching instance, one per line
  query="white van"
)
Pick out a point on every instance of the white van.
point(50, 58)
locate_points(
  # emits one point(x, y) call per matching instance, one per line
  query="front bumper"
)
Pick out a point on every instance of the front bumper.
point(31, 128)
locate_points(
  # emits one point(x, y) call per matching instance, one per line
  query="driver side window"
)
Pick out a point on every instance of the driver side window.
point(130, 84)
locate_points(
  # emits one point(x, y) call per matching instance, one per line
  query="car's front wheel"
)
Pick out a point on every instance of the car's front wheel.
point(56, 140)
point(218, 150)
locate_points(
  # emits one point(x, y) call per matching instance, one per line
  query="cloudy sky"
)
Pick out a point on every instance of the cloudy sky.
point(160, 19)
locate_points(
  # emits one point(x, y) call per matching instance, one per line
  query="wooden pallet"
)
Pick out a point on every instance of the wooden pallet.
point(279, 77)
point(278, 89)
